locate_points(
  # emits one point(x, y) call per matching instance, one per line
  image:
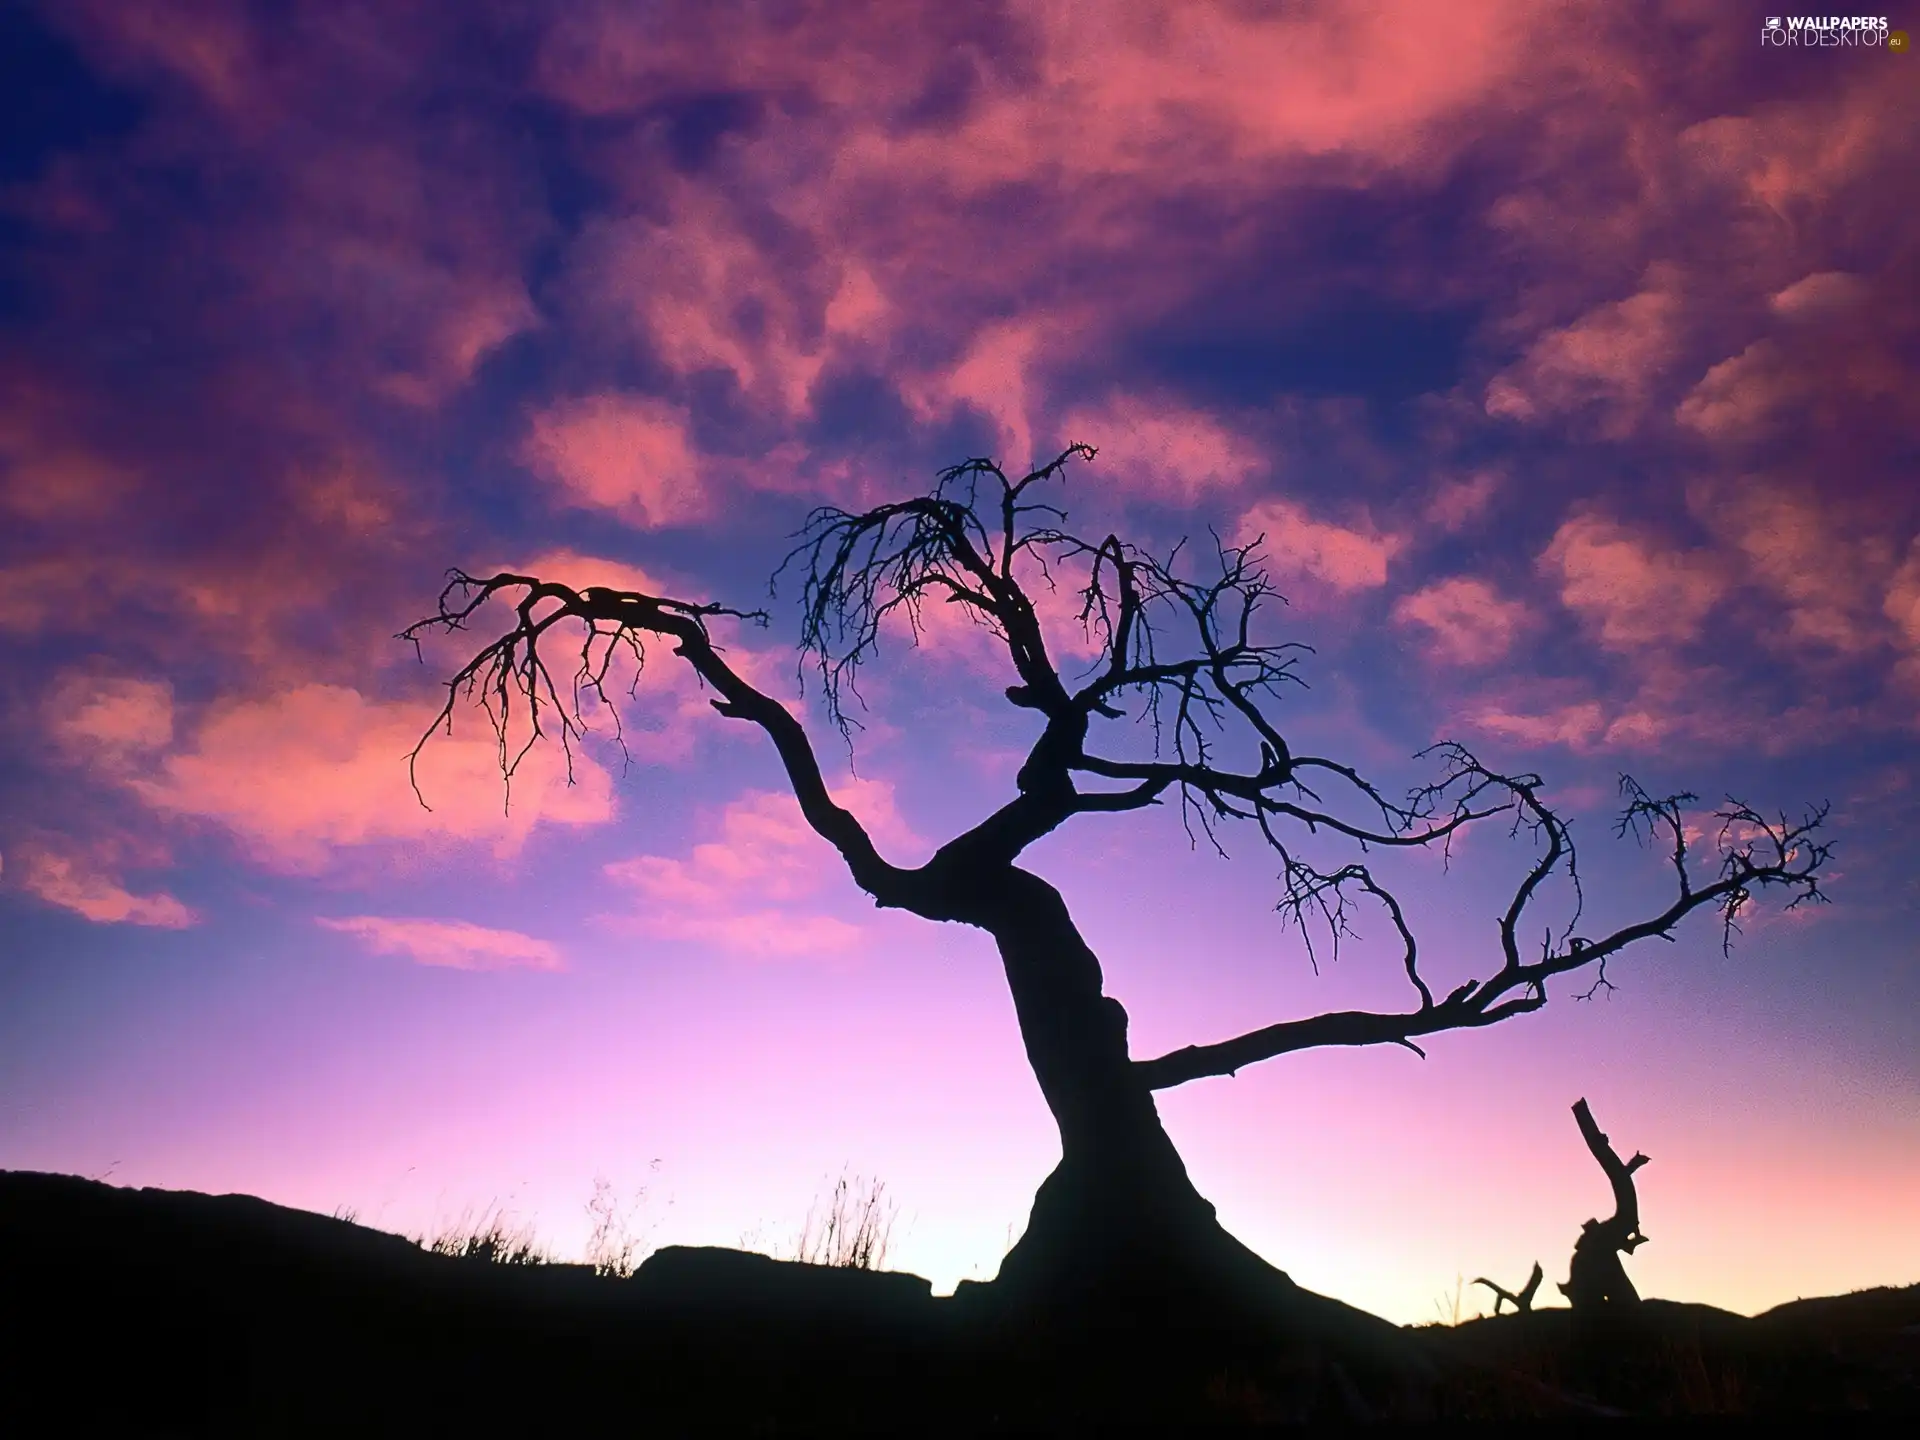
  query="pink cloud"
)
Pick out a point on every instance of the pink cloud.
point(305, 773)
point(383, 233)
point(992, 377)
point(331, 519)
point(626, 454)
point(1829, 582)
point(1774, 386)
point(874, 260)
point(766, 852)
point(78, 882)
point(1297, 545)
point(1373, 83)
point(215, 50)
point(1666, 701)
point(35, 594)
point(1158, 88)
point(603, 58)
point(1608, 358)
point(449, 944)
point(1577, 726)
point(302, 776)
point(464, 321)
point(1740, 397)
point(749, 891)
point(1903, 597)
point(707, 293)
point(1757, 237)
point(1789, 157)
point(1456, 504)
point(110, 717)
point(1468, 621)
point(1070, 640)
point(46, 474)
point(1823, 295)
point(1588, 726)
point(1633, 590)
point(1163, 450)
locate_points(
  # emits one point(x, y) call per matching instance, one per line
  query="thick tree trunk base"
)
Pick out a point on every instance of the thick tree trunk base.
point(1154, 1304)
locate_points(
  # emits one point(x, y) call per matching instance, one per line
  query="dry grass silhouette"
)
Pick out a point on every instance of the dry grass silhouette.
point(614, 1246)
point(848, 1227)
point(1448, 1307)
point(491, 1238)
point(851, 1228)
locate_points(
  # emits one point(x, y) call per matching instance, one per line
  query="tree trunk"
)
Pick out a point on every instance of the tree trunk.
point(1118, 1221)
point(1124, 1273)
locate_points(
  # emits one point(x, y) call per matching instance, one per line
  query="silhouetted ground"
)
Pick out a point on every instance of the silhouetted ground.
point(155, 1312)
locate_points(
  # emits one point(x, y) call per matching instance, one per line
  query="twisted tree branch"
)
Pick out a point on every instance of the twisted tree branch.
point(1755, 854)
point(511, 671)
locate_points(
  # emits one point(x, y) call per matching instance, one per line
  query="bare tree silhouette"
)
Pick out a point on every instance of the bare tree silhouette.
point(1118, 1217)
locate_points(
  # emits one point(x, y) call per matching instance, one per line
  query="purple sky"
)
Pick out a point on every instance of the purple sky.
point(1563, 354)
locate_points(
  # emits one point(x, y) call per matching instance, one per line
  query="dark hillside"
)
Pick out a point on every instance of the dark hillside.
point(167, 1312)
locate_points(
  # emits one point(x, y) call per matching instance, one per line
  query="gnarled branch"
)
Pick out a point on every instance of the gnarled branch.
point(1625, 1220)
point(511, 671)
point(863, 568)
point(1755, 854)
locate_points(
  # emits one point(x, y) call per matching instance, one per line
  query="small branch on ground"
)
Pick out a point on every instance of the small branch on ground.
point(1522, 1299)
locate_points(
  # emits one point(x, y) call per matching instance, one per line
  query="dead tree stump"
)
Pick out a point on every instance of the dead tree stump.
point(1596, 1280)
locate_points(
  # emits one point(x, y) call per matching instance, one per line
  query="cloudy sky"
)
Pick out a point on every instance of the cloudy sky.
point(1563, 353)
